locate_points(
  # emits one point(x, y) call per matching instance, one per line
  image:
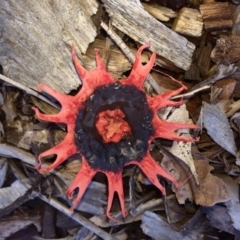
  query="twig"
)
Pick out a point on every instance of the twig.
point(222, 70)
point(189, 94)
point(149, 205)
point(8, 150)
point(77, 217)
point(28, 90)
point(126, 50)
point(56, 204)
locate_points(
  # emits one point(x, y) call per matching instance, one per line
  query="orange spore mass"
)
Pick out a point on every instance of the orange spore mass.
point(111, 125)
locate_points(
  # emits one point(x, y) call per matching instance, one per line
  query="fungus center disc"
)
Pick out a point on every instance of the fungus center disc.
point(112, 126)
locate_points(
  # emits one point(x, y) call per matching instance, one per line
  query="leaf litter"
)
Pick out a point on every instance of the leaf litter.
point(207, 170)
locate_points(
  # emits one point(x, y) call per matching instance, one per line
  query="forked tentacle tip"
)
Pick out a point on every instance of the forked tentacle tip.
point(96, 51)
point(73, 48)
point(163, 191)
point(124, 213)
point(41, 86)
point(176, 184)
point(196, 139)
point(151, 61)
point(34, 109)
point(69, 194)
point(74, 205)
point(38, 166)
point(147, 44)
point(109, 216)
point(44, 170)
point(71, 209)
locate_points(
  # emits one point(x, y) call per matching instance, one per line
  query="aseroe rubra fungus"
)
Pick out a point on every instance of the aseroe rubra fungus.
point(111, 125)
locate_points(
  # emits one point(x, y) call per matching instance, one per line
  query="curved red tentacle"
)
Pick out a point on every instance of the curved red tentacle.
point(63, 99)
point(115, 185)
point(152, 169)
point(163, 100)
point(91, 79)
point(140, 72)
point(167, 130)
point(100, 63)
point(83, 73)
point(81, 181)
point(63, 150)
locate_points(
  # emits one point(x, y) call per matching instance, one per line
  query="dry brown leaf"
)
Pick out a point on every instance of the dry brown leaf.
point(211, 190)
point(226, 86)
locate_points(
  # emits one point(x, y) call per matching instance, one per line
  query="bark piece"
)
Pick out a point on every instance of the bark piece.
point(188, 22)
point(10, 194)
point(219, 218)
point(218, 127)
point(36, 38)
point(174, 4)
point(204, 59)
point(155, 227)
point(213, 12)
point(49, 221)
point(227, 49)
point(12, 224)
point(131, 18)
point(235, 10)
point(193, 73)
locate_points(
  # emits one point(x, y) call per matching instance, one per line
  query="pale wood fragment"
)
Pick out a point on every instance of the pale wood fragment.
point(131, 18)
point(216, 16)
point(36, 38)
point(188, 22)
point(161, 13)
